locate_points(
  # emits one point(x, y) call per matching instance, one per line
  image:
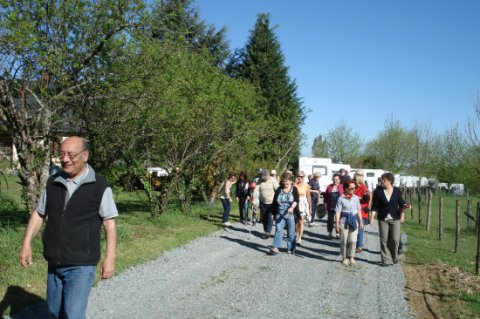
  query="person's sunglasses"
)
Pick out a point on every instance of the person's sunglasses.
point(299, 176)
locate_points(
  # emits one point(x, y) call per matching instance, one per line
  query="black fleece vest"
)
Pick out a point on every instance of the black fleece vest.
point(72, 232)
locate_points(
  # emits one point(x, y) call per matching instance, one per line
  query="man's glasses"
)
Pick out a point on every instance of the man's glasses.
point(300, 176)
point(71, 156)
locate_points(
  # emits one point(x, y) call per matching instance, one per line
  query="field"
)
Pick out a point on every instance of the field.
point(139, 239)
point(441, 282)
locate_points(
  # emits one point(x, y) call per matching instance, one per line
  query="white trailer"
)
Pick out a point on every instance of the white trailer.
point(311, 165)
point(371, 176)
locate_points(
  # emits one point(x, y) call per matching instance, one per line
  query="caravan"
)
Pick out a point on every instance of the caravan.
point(310, 165)
point(371, 177)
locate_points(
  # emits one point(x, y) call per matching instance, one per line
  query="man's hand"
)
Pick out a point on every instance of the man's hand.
point(25, 256)
point(108, 268)
point(34, 225)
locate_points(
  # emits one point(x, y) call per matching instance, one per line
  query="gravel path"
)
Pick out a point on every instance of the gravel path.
point(230, 274)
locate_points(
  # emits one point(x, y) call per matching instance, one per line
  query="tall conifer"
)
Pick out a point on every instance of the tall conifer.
point(263, 64)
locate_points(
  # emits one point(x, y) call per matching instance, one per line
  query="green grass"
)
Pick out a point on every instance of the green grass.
point(424, 247)
point(140, 239)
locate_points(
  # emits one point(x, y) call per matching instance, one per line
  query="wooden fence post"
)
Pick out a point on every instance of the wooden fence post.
point(440, 218)
point(429, 209)
point(469, 213)
point(477, 221)
point(457, 225)
point(419, 197)
point(410, 201)
point(477, 266)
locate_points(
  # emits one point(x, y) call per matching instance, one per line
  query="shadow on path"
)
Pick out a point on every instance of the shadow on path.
point(16, 297)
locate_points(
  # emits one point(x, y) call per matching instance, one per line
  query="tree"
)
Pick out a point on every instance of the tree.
point(175, 110)
point(320, 147)
point(53, 54)
point(344, 145)
point(263, 64)
point(179, 21)
point(393, 148)
point(473, 139)
point(453, 148)
point(423, 154)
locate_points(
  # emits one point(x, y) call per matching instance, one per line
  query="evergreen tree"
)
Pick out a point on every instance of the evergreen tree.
point(263, 64)
point(179, 20)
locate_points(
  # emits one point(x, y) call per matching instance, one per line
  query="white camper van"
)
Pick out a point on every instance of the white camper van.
point(310, 165)
point(371, 177)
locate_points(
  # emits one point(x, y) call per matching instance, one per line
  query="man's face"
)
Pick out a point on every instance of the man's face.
point(336, 180)
point(72, 156)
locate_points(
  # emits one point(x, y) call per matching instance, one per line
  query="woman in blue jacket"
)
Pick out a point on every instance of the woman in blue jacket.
point(388, 203)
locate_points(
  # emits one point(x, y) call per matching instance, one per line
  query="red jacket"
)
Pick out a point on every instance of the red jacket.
point(360, 191)
point(327, 195)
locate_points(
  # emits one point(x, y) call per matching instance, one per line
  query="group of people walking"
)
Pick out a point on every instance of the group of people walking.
point(291, 203)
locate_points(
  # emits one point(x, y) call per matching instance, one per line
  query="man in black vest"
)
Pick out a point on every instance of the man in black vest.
point(75, 204)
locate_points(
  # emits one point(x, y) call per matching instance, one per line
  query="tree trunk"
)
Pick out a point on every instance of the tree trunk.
point(34, 162)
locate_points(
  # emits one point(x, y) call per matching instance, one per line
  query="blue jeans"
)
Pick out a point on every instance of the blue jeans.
point(243, 209)
point(289, 220)
point(68, 288)
point(360, 233)
point(226, 209)
point(266, 210)
point(314, 207)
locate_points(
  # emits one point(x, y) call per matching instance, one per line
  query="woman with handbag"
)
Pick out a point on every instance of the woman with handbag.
point(285, 201)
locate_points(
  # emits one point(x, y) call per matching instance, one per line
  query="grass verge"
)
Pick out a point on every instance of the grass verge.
point(139, 239)
point(433, 268)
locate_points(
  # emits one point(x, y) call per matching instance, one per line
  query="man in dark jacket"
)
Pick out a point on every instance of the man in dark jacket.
point(77, 203)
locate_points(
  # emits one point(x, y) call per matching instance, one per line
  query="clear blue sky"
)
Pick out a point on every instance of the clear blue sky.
point(366, 61)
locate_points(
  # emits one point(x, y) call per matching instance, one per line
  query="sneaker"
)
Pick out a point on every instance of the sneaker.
point(266, 236)
point(337, 235)
point(299, 241)
point(227, 224)
point(274, 250)
point(345, 262)
point(330, 235)
point(352, 261)
point(313, 224)
point(359, 250)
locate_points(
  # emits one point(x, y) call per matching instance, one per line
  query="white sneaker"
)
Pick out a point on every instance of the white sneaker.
point(227, 224)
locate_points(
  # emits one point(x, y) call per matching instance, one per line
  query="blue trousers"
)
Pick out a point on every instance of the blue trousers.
point(226, 209)
point(68, 288)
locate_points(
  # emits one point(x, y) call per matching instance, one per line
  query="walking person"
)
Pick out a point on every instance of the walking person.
point(285, 201)
point(254, 195)
point(266, 190)
point(226, 197)
point(348, 221)
point(331, 196)
point(304, 204)
point(315, 195)
point(389, 204)
point(365, 196)
point(75, 203)
point(242, 193)
point(344, 177)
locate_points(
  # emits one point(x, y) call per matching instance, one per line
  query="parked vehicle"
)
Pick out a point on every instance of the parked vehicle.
point(310, 165)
